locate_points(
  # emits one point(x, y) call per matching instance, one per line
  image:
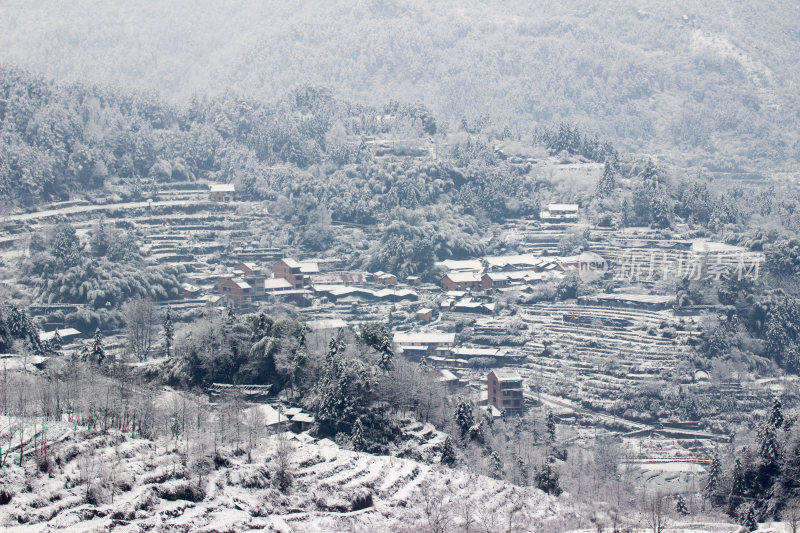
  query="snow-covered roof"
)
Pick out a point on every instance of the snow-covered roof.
point(424, 337)
point(506, 374)
point(424, 311)
point(242, 284)
point(478, 352)
point(274, 284)
point(222, 187)
point(63, 333)
point(309, 267)
point(463, 277)
point(446, 375)
point(501, 261)
point(291, 263)
point(469, 265)
point(268, 414)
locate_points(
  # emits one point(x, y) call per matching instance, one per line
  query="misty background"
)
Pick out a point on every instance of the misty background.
point(696, 85)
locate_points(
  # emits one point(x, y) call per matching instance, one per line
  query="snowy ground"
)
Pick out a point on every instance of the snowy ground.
point(101, 482)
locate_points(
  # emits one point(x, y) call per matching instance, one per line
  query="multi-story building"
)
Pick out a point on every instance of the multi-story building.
point(505, 391)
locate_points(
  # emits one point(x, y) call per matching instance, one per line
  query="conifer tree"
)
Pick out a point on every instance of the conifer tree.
point(495, 465)
point(169, 332)
point(680, 506)
point(547, 478)
point(357, 435)
point(463, 416)
point(98, 352)
point(748, 519)
point(776, 418)
point(736, 496)
point(448, 457)
point(711, 488)
point(550, 423)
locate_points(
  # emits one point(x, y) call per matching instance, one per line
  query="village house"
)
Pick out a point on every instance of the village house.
point(557, 213)
point(425, 315)
point(449, 380)
point(337, 278)
point(253, 274)
point(505, 391)
point(66, 335)
point(461, 281)
point(222, 192)
point(385, 278)
point(237, 289)
point(584, 262)
point(290, 270)
point(248, 270)
point(413, 280)
point(189, 291)
point(424, 343)
point(277, 285)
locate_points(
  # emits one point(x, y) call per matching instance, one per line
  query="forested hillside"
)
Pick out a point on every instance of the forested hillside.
point(708, 85)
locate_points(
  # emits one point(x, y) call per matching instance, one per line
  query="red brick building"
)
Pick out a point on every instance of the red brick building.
point(461, 281)
point(505, 391)
point(289, 269)
point(237, 289)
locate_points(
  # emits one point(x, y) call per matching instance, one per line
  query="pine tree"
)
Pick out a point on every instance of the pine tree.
point(550, 422)
point(448, 457)
point(169, 332)
point(495, 466)
point(711, 488)
point(736, 496)
point(463, 416)
point(776, 418)
point(547, 479)
point(98, 353)
point(680, 506)
point(524, 471)
point(56, 343)
point(357, 435)
point(5, 335)
point(608, 181)
point(768, 447)
point(748, 519)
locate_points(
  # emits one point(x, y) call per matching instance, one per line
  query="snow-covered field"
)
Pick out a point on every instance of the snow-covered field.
point(100, 482)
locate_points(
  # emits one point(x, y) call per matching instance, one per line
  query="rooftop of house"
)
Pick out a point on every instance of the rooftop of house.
point(506, 374)
point(463, 277)
point(276, 283)
point(424, 337)
point(309, 267)
point(240, 283)
point(63, 333)
point(222, 187)
point(468, 265)
point(291, 263)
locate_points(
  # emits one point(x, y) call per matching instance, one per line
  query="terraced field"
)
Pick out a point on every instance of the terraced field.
point(107, 482)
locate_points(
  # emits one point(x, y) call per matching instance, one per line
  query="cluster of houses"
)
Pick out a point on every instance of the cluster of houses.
point(512, 272)
point(291, 279)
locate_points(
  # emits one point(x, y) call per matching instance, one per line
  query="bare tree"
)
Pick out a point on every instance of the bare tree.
point(282, 462)
point(656, 508)
point(141, 317)
point(436, 508)
point(792, 516)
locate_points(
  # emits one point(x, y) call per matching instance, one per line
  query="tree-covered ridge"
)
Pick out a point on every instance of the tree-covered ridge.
point(710, 84)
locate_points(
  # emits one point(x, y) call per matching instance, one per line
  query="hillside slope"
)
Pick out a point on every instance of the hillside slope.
point(106, 481)
point(713, 84)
